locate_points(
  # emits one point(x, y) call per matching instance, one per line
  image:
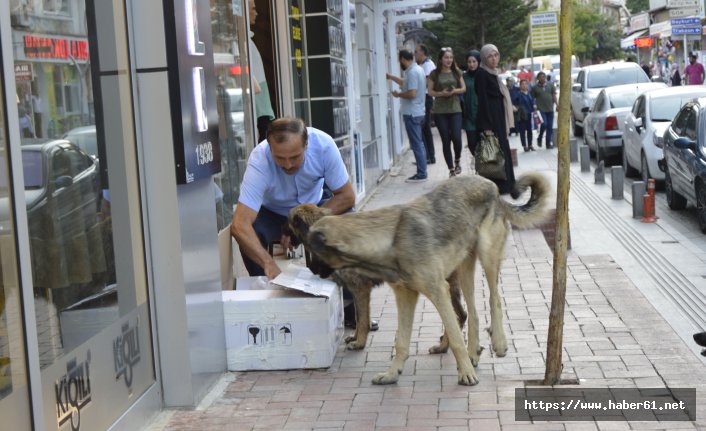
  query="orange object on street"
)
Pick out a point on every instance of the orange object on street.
point(648, 203)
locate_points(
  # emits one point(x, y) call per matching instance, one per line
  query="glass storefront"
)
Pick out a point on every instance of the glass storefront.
point(235, 131)
point(74, 101)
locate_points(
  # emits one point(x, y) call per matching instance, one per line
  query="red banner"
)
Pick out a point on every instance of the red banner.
point(51, 47)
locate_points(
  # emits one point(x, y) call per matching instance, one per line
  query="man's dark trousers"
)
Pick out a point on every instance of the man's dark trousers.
point(426, 129)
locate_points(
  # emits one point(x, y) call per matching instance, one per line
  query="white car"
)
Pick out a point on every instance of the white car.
point(645, 125)
point(590, 81)
point(603, 124)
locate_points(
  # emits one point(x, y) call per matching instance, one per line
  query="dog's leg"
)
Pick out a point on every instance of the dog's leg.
point(442, 302)
point(361, 301)
point(467, 272)
point(491, 253)
point(406, 303)
point(461, 315)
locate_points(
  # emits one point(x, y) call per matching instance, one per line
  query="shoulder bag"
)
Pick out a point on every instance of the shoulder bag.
point(490, 161)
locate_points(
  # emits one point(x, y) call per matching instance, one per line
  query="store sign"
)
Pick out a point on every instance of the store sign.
point(295, 16)
point(126, 352)
point(643, 42)
point(73, 392)
point(192, 89)
point(544, 30)
point(55, 48)
point(23, 72)
point(639, 22)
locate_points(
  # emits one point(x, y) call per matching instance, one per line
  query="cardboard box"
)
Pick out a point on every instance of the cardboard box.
point(296, 323)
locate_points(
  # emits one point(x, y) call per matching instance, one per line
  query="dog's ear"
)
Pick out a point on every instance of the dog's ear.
point(317, 242)
point(298, 226)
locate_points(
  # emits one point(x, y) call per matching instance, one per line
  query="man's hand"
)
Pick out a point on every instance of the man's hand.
point(272, 270)
point(395, 94)
point(388, 76)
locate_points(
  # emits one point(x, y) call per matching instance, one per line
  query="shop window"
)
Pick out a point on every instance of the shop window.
point(235, 132)
point(56, 7)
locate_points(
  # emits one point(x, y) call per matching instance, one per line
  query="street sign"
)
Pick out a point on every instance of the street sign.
point(673, 4)
point(544, 30)
point(680, 31)
point(687, 11)
point(691, 22)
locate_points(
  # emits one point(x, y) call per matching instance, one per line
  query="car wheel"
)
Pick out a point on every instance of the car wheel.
point(701, 205)
point(644, 169)
point(629, 170)
point(578, 131)
point(674, 199)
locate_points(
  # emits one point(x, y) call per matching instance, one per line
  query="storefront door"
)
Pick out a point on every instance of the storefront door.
point(78, 187)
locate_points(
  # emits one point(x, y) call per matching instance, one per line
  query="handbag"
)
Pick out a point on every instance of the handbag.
point(490, 161)
point(538, 120)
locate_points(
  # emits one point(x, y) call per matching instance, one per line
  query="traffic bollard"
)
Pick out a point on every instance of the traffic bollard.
point(638, 190)
point(616, 181)
point(585, 159)
point(573, 150)
point(649, 207)
point(599, 173)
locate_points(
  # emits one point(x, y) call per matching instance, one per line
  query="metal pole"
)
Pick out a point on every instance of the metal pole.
point(686, 54)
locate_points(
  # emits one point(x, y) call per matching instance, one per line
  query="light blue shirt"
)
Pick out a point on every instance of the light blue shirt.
point(414, 79)
point(266, 185)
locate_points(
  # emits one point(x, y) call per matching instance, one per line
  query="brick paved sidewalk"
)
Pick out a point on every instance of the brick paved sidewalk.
point(613, 337)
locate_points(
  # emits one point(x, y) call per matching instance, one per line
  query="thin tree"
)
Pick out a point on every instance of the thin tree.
point(555, 335)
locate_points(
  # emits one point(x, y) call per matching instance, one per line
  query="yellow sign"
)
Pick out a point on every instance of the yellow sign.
point(544, 30)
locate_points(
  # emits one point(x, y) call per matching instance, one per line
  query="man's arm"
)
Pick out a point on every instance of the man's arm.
point(409, 94)
point(343, 199)
point(394, 78)
point(241, 229)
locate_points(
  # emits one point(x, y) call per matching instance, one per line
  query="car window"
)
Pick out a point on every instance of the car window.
point(79, 161)
point(679, 123)
point(598, 104)
point(579, 78)
point(61, 165)
point(32, 169)
point(638, 108)
point(623, 100)
point(610, 77)
point(665, 108)
point(690, 131)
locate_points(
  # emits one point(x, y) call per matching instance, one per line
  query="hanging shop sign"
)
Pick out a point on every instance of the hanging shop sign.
point(23, 71)
point(644, 42)
point(192, 86)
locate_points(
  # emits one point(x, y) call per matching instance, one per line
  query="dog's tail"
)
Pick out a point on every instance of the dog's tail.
point(534, 211)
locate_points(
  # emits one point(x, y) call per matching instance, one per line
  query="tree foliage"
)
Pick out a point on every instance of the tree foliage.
point(635, 6)
point(596, 37)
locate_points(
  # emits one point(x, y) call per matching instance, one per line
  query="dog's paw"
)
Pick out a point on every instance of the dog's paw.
point(354, 344)
point(387, 378)
point(499, 343)
point(439, 348)
point(475, 357)
point(349, 338)
point(469, 379)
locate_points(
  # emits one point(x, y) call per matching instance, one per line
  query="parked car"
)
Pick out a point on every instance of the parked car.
point(685, 159)
point(605, 120)
point(590, 81)
point(84, 138)
point(645, 125)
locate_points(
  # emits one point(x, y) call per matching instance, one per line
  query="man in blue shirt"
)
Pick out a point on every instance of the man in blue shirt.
point(413, 96)
point(286, 170)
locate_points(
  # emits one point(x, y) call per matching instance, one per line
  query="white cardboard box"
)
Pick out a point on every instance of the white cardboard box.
point(280, 328)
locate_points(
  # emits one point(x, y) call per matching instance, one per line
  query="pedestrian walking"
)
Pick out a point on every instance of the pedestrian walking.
point(523, 105)
point(470, 100)
point(495, 109)
point(693, 72)
point(544, 94)
point(445, 84)
point(421, 55)
point(412, 98)
point(675, 77)
point(513, 89)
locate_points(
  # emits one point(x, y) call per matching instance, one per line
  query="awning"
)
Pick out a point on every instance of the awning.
point(629, 42)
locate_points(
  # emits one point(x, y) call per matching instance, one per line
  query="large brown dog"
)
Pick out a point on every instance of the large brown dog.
point(415, 247)
point(301, 218)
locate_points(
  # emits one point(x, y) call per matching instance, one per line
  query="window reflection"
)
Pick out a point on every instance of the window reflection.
point(229, 32)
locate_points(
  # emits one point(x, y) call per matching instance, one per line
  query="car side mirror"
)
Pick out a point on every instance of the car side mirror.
point(685, 144)
point(576, 87)
point(63, 181)
point(585, 109)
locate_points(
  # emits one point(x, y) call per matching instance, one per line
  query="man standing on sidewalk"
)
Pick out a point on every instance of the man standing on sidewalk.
point(422, 58)
point(412, 106)
point(544, 94)
point(694, 72)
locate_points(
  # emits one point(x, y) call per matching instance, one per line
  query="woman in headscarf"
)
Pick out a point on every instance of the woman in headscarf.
point(675, 78)
point(495, 114)
point(445, 84)
point(470, 100)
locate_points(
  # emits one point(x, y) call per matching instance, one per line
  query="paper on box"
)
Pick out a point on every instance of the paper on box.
point(283, 328)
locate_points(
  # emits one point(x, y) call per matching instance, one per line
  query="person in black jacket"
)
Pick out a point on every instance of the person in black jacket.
point(495, 115)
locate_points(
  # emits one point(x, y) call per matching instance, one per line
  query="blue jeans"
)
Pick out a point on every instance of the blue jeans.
point(414, 132)
point(547, 125)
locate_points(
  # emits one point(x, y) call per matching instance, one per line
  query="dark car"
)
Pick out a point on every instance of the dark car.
point(685, 159)
point(62, 194)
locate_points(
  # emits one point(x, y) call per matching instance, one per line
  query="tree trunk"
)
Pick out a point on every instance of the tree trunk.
point(552, 375)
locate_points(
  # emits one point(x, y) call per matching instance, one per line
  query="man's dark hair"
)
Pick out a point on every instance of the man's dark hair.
point(406, 54)
point(424, 49)
point(280, 129)
point(541, 74)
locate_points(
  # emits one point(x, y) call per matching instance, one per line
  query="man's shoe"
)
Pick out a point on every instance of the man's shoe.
point(452, 173)
point(531, 148)
point(700, 339)
point(415, 179)
point(526, 149)
point(539, 142)
point(457, 168)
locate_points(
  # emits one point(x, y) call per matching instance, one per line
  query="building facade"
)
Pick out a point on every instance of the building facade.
point(125, 129)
